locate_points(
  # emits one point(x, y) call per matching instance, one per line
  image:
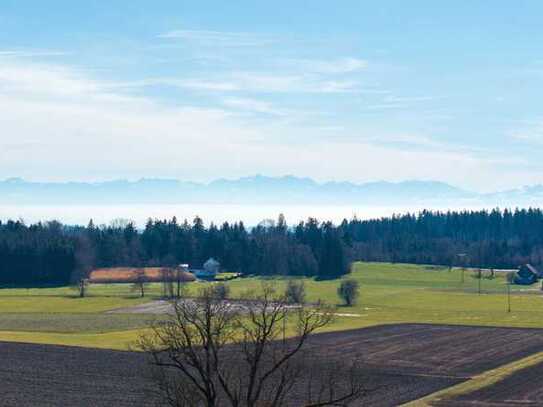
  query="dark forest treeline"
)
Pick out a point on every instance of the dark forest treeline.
point(55, 254)
point(37, 254)
point(499, 239)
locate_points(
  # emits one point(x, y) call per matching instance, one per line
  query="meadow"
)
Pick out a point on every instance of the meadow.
point(389, 293)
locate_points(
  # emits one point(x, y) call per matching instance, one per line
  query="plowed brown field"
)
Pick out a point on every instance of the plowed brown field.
point(402, 362)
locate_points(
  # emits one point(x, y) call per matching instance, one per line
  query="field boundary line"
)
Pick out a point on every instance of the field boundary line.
point(477, 382)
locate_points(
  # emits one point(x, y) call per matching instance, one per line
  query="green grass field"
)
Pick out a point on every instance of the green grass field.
point(390, 293)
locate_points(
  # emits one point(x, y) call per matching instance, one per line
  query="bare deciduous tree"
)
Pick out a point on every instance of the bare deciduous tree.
point(214, 352)
point(349, 291)
point(295, 291)
point(221, 291)
point(140, 282)
point(179, 271)
point(167, 276)
point(84, 261)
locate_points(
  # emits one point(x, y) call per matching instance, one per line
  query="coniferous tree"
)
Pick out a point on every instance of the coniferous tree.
point(52, 253)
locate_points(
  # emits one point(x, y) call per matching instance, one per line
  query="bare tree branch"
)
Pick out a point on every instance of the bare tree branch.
point(237, 355)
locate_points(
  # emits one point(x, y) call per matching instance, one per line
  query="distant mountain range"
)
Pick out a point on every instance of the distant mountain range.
point(258, 190)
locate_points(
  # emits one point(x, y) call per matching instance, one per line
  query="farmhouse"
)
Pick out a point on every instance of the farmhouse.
point(527, 275)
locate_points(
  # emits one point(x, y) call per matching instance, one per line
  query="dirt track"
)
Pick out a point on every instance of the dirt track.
point(160, 307)
point(404, 362)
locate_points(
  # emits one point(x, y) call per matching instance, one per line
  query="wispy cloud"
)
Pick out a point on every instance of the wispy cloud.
point(255, 82)
point(77, 116)
point(219, 38)
point(29, 53)
point(253, 105)
point(392, 102)
point(199, 84)
point(529, 132)
point(89, 126)
point(386, 106)
point(409, 99)
point(416, 141)
point(334, 66)
point(41, 79)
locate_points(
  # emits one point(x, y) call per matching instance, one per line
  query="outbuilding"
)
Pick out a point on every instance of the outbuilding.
point(526, 275)
point(211, 269)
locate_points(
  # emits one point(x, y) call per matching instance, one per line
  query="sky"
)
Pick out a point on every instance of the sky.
point(348, 90)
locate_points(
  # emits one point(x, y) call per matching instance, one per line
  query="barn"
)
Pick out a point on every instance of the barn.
point(130, 274)
point(526, 275)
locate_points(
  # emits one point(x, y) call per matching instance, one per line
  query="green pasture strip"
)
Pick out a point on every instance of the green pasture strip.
point(389, 293)
point(121, 340)
point(116, 340)
point(368, 274)
point(42, 304)
point(73, 323)
point(477, 382)
point(93, 290)
point(226, 276)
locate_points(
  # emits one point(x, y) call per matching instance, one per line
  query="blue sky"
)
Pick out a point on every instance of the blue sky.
point(346, 90)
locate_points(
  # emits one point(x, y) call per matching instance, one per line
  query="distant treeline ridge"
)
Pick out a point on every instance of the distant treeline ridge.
point(52, 253)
